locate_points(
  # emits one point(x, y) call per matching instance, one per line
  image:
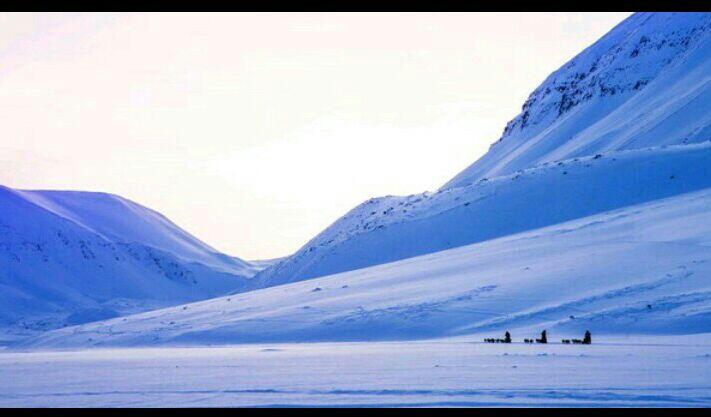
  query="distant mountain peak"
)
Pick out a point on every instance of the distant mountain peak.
point(625, 60)
point(614, 70)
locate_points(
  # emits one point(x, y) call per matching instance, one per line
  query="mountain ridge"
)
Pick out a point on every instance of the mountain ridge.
point(104, 213)
point(648, 82)
point(72, 257)
point(564, 116)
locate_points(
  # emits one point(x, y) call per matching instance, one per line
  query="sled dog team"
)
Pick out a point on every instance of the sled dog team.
point(586, 340)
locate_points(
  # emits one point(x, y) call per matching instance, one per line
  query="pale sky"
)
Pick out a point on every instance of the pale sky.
point(254, 132)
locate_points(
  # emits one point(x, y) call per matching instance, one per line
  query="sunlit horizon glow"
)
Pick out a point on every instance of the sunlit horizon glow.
point(256, 131)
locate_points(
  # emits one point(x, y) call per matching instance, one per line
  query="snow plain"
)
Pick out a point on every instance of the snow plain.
point(613, 372)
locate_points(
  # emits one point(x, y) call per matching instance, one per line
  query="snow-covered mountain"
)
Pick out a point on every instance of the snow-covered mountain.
point(118, 219)
point(591, 212)
point(392, 228)
point(642, 269)
point(645, 83)
point(72, 257)
point(612, 127)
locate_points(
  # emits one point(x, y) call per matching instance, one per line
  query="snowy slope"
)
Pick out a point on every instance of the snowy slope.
point(392, 228)
point(70, 257)
point(646, 83)
point(641, 269)
point(643, 85)
point(120, 220)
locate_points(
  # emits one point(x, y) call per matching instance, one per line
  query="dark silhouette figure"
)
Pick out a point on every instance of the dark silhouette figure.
point(587, 339)
point(506, 339)
point(543, 339)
